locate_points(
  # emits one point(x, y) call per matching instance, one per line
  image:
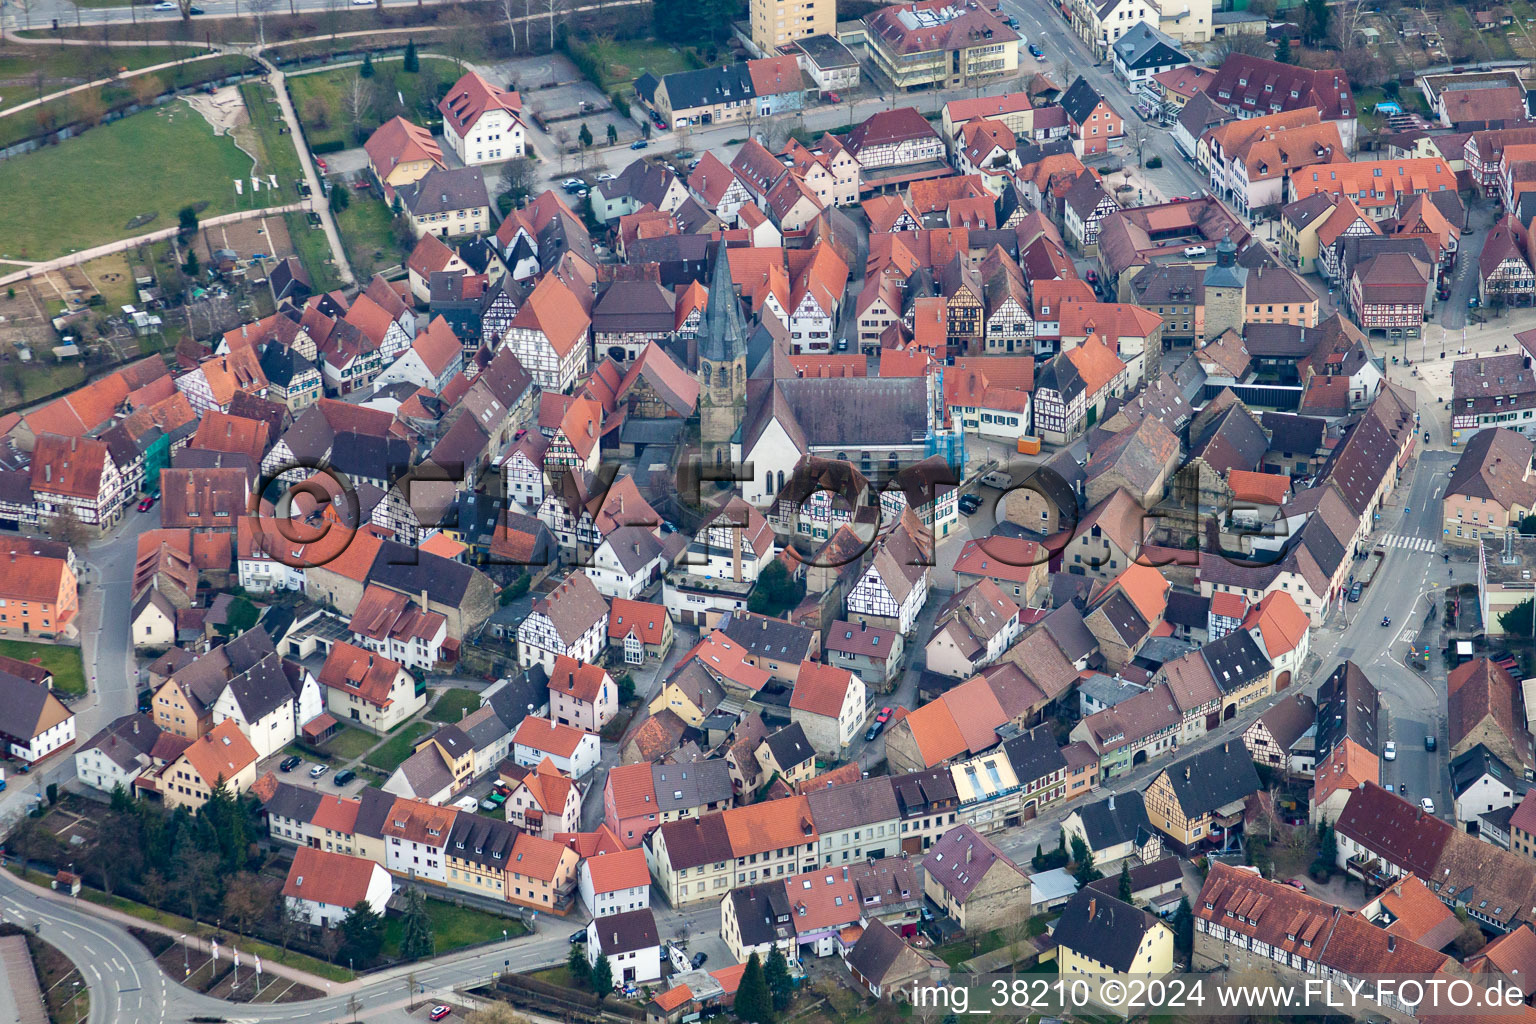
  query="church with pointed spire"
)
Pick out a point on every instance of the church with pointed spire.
point(722, 343)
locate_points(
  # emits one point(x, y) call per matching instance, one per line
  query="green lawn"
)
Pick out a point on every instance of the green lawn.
point(93, 186)
point(623, 61)
point(454, 928)
point(81, 63)
point(64, 662)
point(277, 153)
point(349, 743)
point(454, 705)
point(367, 232)
point(320, 98)
point(388, 757)
point(313, 250)
point(289, 958)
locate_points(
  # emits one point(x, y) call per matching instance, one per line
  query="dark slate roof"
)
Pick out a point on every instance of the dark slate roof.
point(1474, 764)
point(705, 87)
point(1289, 720)
point(789, 746)
point(1118, 818)
point(762, 913)
point(695, 784)
point(1291, 433)
point(262, 689)
point(1347, 708)
point(411, 571)
point(443, 190)
point(369, 456)
point(1103, 928)
point(126, 738)
point(1079, 100)
point(294, 802)
point(282, 365)
point(760, 635)
point(1034, 755)
point(627, 932)
point(1235, 660)
point(1213, 778)
point(482, 840)
point(1187, 609)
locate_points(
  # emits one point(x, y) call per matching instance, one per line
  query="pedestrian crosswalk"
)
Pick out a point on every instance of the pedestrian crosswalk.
point(1397, 540)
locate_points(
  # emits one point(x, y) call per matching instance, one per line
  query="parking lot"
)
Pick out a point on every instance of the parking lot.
point(554, 90)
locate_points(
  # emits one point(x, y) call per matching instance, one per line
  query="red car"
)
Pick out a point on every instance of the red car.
point(884, 715)
point(1294, 884)
point(147, 504)
point(439, 1012)
point(320, 164)
point(1179, 199)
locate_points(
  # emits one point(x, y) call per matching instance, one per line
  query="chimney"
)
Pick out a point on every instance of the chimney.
point(1111, 801)
point(1391, 943)
point(1092, 905)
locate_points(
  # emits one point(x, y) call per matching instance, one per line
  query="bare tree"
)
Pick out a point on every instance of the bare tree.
point(262, 8)
point(1250, 44)
point(1064, 71)
point(152, 887)
point(1137, 133)
point(67, 528)
point(244, 900)
point(555, 9)
point(26, 10)
point(357, 100)
point(146, 88)
point(508, 11)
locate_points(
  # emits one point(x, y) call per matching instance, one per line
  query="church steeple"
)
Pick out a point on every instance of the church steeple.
point(724, 334)
point(722, 364)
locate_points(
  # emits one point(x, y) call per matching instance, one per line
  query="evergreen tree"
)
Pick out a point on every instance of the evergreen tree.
point(780, 985)
point(362, 933)
point(366, 71)
point(1127, 893)
point(577, 967)
point(584, 136)
point(411, 63)
point(753, 1003)
point(1327, 845)
point(1283, 50)
point(602, 977)
point(1039, 858)
point(1086, 872)
point(341, 198)
point(415, 928)
point(1184, 926)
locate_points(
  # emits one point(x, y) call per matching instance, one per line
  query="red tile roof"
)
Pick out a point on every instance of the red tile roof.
point(623, 870)
point(334, 879)
point(820, 689)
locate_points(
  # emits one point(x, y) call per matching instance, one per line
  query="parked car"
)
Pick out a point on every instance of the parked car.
point(438, 1012)
point(969, 503)
point(884, 715)
point(147, 504)
point(1194, 250)
point(1389, 752)
point(344, 776)
point(1036, 52)
point(1427, 804)
point(639, 144)
point(319, 770)
point(873, 731)
point(167, 5)
point(1294, 884)
point(699, 959)
point(605, 176)
point(1354, 591)
point(322, 165)
point(194, 10)
point(833, 97)
point(579, 937)
point(290, 762)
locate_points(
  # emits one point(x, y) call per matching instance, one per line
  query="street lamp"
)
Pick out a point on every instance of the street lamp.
point(186, 968)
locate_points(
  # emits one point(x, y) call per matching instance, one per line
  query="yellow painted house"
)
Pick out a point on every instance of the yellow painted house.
point(1099, 936)
point(401, 153)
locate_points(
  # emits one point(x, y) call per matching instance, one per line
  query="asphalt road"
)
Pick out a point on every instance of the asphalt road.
point(110, 671)
point(128, 986)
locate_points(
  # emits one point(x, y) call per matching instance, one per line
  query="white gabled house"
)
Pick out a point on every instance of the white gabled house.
point(482, 123)
point(894, 587)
